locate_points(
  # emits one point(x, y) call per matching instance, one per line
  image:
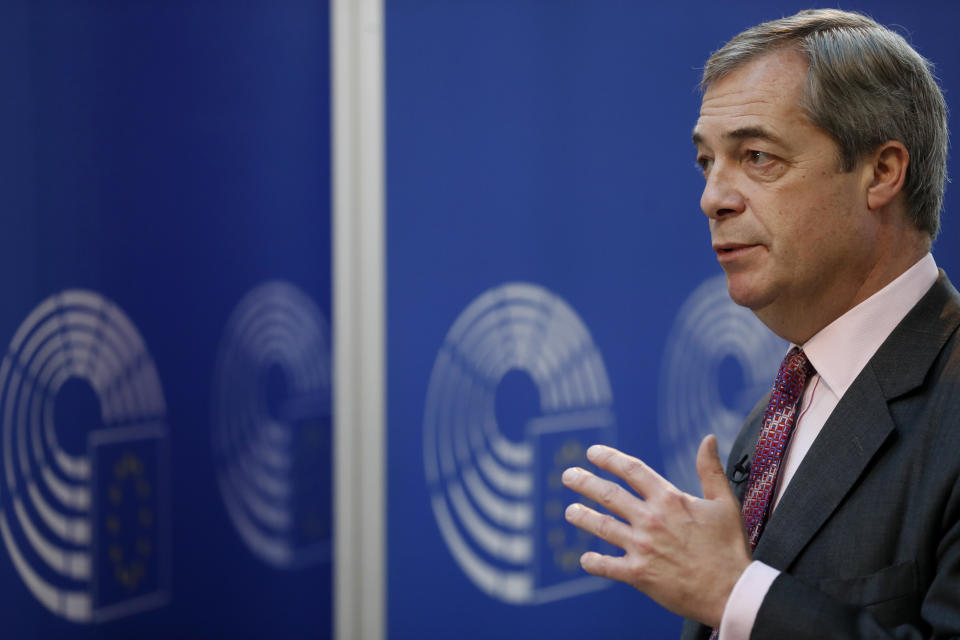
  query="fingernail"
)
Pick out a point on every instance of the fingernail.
point(595, 450)
point(572, 510)
point(570, 475)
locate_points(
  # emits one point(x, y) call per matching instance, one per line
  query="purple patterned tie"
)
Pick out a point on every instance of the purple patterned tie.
point(778, 423)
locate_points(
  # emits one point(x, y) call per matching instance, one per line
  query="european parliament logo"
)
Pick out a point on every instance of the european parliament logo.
point(718, 362)
point(83, 495)
point(517, 393)
point(272, 428)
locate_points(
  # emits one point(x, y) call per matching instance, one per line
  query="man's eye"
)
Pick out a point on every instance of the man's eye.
point(759, 157)
point(704, 164)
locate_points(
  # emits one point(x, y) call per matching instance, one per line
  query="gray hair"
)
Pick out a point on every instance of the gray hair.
point(865, 86)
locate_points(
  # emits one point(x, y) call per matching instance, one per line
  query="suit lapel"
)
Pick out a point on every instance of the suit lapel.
point(849, 439)
point(856, 429)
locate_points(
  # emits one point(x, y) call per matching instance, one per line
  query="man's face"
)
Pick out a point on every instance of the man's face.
point(790, 229)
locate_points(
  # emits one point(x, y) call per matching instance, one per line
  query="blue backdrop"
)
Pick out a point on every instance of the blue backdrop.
point(165, 266)
point(166, 192)
point(549, 144)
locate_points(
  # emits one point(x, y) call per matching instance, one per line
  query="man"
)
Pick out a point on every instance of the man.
point(822, 139)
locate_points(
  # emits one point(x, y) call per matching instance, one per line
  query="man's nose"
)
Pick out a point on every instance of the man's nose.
point(721, 197)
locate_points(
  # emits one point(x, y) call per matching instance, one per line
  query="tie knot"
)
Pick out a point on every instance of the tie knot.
point(792, 376)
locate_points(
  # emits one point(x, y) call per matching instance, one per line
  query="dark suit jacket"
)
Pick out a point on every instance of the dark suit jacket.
point(867, 533)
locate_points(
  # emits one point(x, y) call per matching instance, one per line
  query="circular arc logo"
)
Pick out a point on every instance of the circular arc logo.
point(495, 498)
point(271, 455)
point(710, 336)
point(49, 496)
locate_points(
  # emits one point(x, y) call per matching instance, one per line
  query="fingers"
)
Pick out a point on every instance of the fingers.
point(609, 494)
point(599, 524)
point(606, 566)
point(644, 480)
point(710, 469)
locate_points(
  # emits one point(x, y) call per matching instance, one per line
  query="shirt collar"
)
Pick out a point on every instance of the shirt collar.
point(841, 350)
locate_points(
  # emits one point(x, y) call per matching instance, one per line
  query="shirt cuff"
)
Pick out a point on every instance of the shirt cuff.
point(744, 602)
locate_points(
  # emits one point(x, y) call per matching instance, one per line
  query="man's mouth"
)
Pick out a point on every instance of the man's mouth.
point(730, 250)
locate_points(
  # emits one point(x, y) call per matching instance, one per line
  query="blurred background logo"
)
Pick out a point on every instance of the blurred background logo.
point(271, 425)
point(718, 362)
point(517, 393)
point(83, 498)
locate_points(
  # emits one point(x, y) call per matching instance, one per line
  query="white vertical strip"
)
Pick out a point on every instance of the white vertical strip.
point(359, 320)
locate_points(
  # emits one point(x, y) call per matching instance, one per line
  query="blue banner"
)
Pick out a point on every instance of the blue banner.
point(551, 284)
point(165, 418)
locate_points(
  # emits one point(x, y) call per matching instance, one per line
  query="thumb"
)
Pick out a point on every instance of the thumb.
point(710, 469)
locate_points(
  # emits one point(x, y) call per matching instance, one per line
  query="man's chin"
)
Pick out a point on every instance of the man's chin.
point(746, 292)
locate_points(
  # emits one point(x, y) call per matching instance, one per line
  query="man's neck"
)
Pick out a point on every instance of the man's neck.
point(797, 325)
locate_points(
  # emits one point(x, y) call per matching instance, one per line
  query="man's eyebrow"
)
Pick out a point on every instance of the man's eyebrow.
point(742, 133)
point(751, 132)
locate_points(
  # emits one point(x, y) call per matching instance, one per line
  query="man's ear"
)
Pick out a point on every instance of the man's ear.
point(889, 165)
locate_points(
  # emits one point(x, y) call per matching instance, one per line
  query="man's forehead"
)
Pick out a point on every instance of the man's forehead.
point(783, 63)
point(736, 134)
point(760, 99)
